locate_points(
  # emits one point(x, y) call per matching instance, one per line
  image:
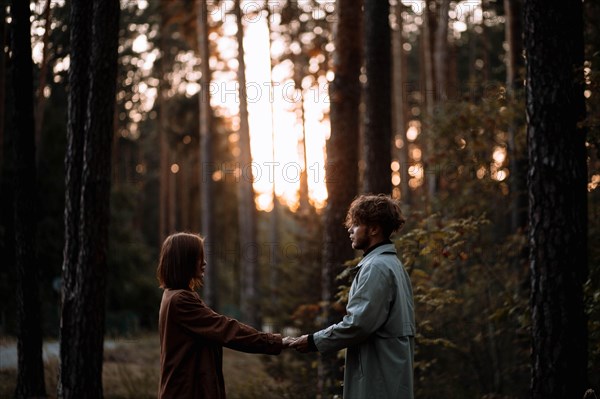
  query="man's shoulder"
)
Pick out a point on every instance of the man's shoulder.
point(387, 257)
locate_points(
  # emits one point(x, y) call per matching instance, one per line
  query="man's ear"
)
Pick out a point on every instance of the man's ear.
point(374, 230)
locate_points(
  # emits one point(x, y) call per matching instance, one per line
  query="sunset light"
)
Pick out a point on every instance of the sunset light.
point(271, 107)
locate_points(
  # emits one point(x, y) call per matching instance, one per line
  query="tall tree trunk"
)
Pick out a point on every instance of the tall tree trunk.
point(40, 105)
point(171, 207)
point(80, 36)
point(250, 293)
point(206, 161)
point(485, 42)
point(184, 191)
point(274, 216)
point(440, 55)
point(378, 98)
point(513, 10)
point(517, 159)
point(163, 143)
point(429, 98)
point(557, 181)
point(400, 100)
point(300, 110)
point(3, 58)
point(428, 37)
point(304, 203)
point(341, 172)
point(30, 375)
point(94, 42)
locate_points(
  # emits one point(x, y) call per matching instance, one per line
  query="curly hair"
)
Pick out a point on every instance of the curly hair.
point(371, 210)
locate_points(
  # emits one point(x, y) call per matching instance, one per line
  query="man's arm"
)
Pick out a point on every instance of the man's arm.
point(366, 311)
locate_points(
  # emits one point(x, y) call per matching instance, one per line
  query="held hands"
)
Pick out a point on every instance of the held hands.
point(300, 343)
point(287, 342)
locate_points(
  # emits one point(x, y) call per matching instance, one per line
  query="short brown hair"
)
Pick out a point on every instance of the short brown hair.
point(178, 263)
point(372, 210)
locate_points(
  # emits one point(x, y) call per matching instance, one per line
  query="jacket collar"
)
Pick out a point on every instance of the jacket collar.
point(389, 247)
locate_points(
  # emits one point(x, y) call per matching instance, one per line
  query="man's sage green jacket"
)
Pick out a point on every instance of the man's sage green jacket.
point(378, 330)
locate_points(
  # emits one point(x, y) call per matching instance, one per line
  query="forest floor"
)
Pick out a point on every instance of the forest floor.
point(131, 369)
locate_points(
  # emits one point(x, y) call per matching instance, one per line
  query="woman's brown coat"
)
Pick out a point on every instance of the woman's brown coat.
point(192, 337)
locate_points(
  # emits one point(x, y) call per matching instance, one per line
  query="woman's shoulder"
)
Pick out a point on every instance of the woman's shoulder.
point(181, 296)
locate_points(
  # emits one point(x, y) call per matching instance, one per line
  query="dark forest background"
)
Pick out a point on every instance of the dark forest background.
point(427, 101)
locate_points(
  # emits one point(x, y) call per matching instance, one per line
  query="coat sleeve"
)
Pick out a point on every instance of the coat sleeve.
point(194, 316)
point(367, 310)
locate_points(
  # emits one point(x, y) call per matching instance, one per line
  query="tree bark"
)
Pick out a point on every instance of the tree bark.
point(163, 143)
point(274, 216)
point(557, 183)
point(3, 58)
point(378, 98)
point(440, 55)
point(400, 97)
point(40, 105)
point(30, 375)
point(210, 289)
point(485, 42)
point(250, 293)
point(304, 201)
point(94, 41)
point(341, 172)
point(429, 97)
point(517, 160)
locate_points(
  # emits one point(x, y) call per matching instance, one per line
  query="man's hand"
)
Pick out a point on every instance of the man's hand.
point(287, 341)
point(301, 344)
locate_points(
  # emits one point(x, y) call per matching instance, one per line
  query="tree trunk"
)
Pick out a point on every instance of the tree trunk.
point(30, 375)
point(440, 55)
point(341, 173)
point(557, 183)
point(40, 105)
point(250, 293)
point(210, 289)
point(274, 216)
point(304, 202)
point(80, 36)
point(3, 58)
point(184, 191)
point(171, 199)
point(94, 42)
point(485, 43)
point(378, 98)
point(514, 63)
point(400, 101)
point(163, 143)
point(426, 48)
point(429, 98)
point(513, 10)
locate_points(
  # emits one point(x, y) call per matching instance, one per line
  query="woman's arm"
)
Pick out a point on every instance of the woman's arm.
point(200, 320)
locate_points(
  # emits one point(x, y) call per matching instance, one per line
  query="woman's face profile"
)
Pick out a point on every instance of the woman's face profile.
point(201, 267)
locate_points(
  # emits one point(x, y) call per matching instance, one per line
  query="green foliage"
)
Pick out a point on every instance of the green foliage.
point(465, 138)
point(470, 307)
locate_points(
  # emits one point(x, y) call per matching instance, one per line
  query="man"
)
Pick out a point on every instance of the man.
point(379, 327)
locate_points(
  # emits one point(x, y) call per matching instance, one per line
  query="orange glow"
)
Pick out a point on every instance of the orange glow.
point(273, 121)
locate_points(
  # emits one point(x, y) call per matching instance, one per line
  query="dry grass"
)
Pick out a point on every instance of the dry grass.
point(131, 369)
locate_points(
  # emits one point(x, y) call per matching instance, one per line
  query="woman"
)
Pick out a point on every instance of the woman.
point(192, 335)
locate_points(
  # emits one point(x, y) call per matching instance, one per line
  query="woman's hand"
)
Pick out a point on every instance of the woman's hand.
point(288, 341)
point(301, 344)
